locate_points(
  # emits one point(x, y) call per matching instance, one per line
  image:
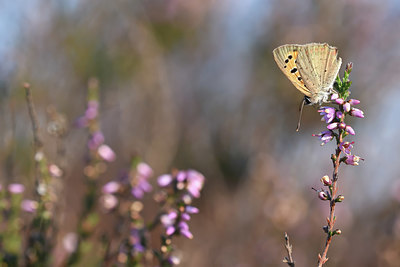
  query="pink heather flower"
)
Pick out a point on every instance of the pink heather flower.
point(191, 210)
point(170, 230)
point(195, 182)
point(339, 101)
point(181, 176)
point(168, 220)
point(357, 113)
point(324, 136)
point(70, 242)
point(164, 180)
point(323, 195)
point(185, 216)
point(332, 126)
point(96, 140)
point(339, 114)
point(144, 170)
point(346, 147)
point(16, 188)
point(353, 160)
point(55, 171)
point(109, 201)
point(81, 122)
point(106, 153)
point(346, 107)
point(184, 230)
point(111, 187)
point(135, 240)
point(174, 260)
point(29, 205)
point(141, 185)
point(328, 114)
point(334, 96)
point(92, 110)
point(326, 180)
point(350, 130)
point(354, 102)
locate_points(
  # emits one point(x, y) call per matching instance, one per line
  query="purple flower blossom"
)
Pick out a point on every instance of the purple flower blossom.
point(332, 126)
point(353, 160)
point(181, 176)
point(346, 107)
point(346, 147)
point(339, 114)
point(135, 240)
point(191, 210)
point(328, 114)
point(111, 187)
point(92, 110)
point(357, 113)
point(29, 205)
point(16, 188)
point(339, 101)
point(109, 201)
point(106, 153)
point(324, 136)
point(184, 230)
point(141, 184)
point(334, 96)
point(349, 130)
point(96, 140)
point(144, 170)
point(81, 122)
point(323, 195)
point(195, 182)
point(354, 102)
point(164, 180)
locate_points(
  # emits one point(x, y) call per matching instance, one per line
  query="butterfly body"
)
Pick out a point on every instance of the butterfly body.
point(312, 68)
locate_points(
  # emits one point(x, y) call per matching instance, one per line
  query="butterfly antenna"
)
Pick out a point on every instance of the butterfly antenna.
point(301, 112)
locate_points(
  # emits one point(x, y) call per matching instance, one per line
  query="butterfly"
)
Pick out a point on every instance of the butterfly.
point(312, 68)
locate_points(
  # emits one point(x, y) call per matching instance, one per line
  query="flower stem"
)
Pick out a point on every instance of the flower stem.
point(331, 220)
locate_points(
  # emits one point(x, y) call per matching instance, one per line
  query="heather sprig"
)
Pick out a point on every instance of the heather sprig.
point(99, 154)
point(175, 196)
point(338, 130)
point(180, 188)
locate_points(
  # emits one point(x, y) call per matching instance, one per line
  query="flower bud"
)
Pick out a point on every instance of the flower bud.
point(326, 180)
point(346, 107)
point(349, 67)
point(340, 198)
point(323, 195)
point(337, 232)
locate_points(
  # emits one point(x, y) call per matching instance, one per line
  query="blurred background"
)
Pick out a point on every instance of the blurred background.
point(193, 84)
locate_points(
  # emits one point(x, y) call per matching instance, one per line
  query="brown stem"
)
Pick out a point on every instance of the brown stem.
point(331, 220)
point(32, 114)
point(289, 259)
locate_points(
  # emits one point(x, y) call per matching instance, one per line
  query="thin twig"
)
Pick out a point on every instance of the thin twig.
point(289, 259)
point(32, 114)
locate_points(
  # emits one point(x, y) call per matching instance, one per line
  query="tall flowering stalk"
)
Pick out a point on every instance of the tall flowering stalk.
point(337, 130)
point(39, 242)
point(99, 155)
